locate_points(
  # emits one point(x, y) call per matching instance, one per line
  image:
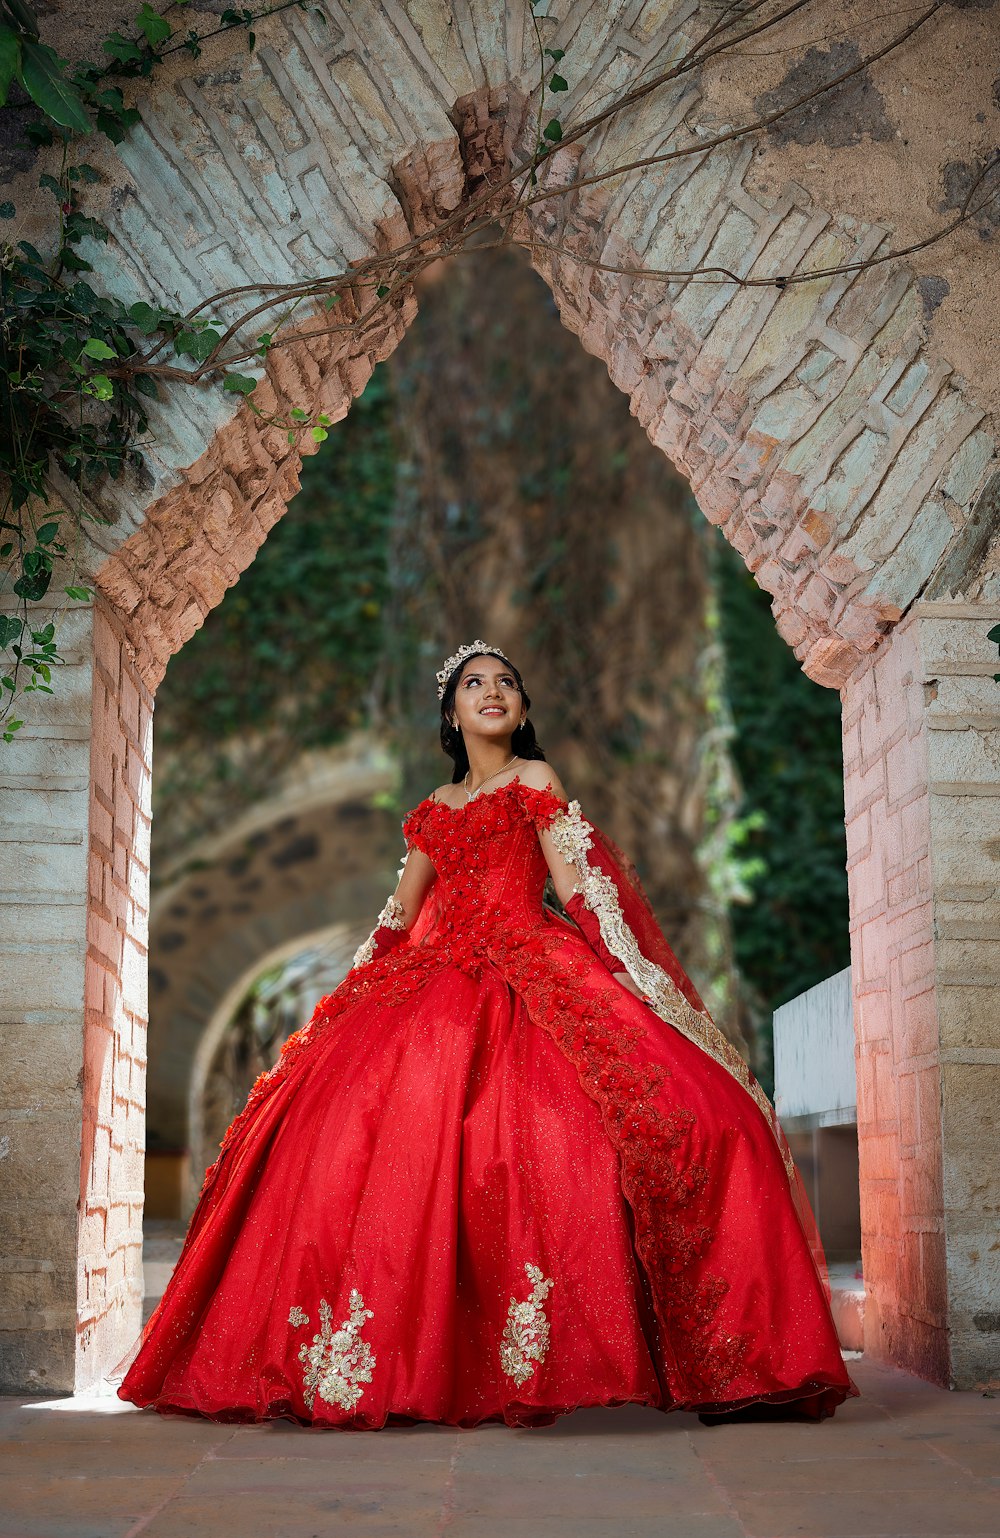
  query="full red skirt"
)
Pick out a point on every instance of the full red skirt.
point(432, 1214)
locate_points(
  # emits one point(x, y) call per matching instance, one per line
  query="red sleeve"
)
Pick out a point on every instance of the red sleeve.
point(413, 823)
point(543, 806)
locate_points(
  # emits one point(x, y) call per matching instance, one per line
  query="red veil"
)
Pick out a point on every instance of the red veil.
point(611, 889)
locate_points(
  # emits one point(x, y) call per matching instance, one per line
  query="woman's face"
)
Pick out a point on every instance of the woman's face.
point(487, 700)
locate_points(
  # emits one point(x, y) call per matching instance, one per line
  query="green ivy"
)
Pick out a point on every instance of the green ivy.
point(74, 383)
point(293, 646)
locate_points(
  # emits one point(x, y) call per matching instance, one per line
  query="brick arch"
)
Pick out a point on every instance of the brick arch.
point(339, 941)
point(295, 867)
point(821, 426)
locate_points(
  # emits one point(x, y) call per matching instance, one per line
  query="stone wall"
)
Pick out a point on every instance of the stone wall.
point(74, 1016)
point(828, 427)
point(295, 866)
point(922, 767)
point(44, 854)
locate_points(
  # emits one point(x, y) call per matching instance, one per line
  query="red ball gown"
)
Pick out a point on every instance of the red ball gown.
point(486, 1182)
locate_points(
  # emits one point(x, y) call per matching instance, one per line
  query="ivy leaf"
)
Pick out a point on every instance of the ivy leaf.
point(994, 635)
point(47, 532)
point(72, 262)
point(120, 48)
point(78, 225)
point(9, 628)
point(557, 83)
point(556, 53)
point(7, 210)
point(9, 730)
point(198, 344)
point(10, 59)
point(239, 384)
point(153, 26)
point(553, 130)
point(45, 83)
point(33, 585)
point(100, 386)
point(146, 385)
point(144, 317)
point(80, 593)
point(319, 434)
point(93, 347)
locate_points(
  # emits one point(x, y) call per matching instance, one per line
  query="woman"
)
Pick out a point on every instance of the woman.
point(510, 1166)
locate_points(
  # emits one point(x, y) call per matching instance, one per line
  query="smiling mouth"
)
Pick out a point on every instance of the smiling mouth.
point(493, 710)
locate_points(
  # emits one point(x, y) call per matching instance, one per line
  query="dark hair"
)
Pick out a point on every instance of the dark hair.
point(522, 742)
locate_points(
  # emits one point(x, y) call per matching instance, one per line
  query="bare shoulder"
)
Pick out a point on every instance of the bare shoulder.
point(446, 793)
point(541, 776)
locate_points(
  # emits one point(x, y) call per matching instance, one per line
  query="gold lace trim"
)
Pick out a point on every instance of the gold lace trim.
point(337, 1362)
point(571, 832)
point(526, 1333)
point(391, 917)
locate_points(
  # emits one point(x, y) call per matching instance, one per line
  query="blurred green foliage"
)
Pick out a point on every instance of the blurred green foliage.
point(293, 647)
point(789, 757)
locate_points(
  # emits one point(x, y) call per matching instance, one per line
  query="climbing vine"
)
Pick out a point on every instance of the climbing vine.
point(79, 368)
point(74, 380)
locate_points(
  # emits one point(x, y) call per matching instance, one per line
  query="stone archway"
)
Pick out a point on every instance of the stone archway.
point(317, 855)
point(338, 942)
point(823, 426)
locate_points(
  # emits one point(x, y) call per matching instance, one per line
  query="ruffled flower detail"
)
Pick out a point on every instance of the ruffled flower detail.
point(571, 834)
point(664, 1186)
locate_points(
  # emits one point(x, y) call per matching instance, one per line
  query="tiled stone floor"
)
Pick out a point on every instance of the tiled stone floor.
point(905, 1461)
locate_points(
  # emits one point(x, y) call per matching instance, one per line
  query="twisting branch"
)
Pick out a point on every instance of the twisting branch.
point(74, 376)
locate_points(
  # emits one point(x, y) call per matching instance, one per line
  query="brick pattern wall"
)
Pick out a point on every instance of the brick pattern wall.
point(922, 798)
point(44, 795)
point(109, 1261)
point(963, 756)
point(840, 455)
point(887, 813)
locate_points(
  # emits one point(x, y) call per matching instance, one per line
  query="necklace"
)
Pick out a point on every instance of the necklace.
point(472, 794)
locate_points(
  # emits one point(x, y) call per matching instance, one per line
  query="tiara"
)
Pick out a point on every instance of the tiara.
point(475, 649)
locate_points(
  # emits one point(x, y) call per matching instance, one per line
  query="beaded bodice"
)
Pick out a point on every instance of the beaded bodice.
point(490, 866)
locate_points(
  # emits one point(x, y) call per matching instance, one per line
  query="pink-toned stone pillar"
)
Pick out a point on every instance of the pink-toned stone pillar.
point(74, 842)
point(922, 807)
point(109, 1255)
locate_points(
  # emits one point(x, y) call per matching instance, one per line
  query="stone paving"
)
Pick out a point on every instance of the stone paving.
point(907, 1460)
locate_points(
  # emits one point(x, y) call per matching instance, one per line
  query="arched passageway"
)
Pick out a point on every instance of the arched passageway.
point(825, 426)
point(315, 858)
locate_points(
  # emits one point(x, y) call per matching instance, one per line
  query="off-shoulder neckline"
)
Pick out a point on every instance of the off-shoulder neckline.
point(514, 781)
